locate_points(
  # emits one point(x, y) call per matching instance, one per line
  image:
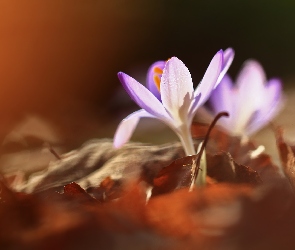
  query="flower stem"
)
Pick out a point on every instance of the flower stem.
point(200, 179)
point(189, 148)
point(202, 172)
point(186, 140)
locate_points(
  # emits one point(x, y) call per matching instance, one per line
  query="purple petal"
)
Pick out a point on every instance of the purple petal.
point(127, 126)
point(176, 88)
point(209, 80)
point(228, 57)
point(143, 97)
point(154, 74)
point(251, 78)
point(251, 89)
point(270, 107)
point(221, 98)
point(274, 89)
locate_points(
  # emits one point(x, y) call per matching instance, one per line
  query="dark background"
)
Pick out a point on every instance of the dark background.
point(59, 58)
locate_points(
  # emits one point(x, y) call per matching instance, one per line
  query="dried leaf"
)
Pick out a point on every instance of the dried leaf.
point(220, 167)
point(287, 156)
point(108, 189)
point(74, 191)
point(98, 159)
point(37, 222)
point(23, 147)
point(175, 176)
point(223, 168)
point(243, 152)
point(226, 216)
point(182, 213)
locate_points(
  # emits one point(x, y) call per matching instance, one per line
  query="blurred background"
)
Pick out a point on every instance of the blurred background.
point(59, 58)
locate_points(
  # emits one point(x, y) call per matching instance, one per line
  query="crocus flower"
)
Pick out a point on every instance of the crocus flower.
point(172, 100)
point(156, 70)
point(251, 103)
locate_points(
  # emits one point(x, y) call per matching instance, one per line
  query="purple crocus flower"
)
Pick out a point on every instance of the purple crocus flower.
point(172, 99)
point(156, 70)
point(251, 103)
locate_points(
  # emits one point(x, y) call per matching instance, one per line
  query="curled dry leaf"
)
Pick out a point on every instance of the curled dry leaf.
point(108, 189)
point(243, 152)
point(287, 156)
point(97, 159)
point(175, 176)
point(74, 191)
point(23, 147)
point(220, 167)
point(223, 168)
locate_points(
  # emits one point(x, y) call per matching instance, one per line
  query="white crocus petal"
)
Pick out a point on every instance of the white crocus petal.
point(176, 88)
point(126, 127)
point(209, 80)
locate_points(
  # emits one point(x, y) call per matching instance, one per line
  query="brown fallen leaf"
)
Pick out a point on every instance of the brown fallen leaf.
point(287, 156)
point(220, 167)
point(226, 216)
point(223, 168)
point(175, 176)
point(218, 216)
point(108, 189)
point(243, 152)
point(96, 160)
point(74, 191)
point(30, 221)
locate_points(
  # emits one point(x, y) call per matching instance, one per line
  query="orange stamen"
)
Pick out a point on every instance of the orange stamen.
point(157, 81)
point(158, 71)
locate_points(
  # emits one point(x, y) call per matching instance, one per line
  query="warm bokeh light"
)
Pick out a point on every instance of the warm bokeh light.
point(59, 58)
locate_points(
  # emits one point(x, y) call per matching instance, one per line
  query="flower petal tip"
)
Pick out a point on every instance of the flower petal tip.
point(118, 141)
point(117, 144)
point(219, 57)
point(229, 51)
point(121, 76)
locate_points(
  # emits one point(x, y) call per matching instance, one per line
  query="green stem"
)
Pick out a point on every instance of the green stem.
point(202, 172)
point(200, 179)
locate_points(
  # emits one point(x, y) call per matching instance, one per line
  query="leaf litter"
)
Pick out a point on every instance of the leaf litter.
point(79, 203)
